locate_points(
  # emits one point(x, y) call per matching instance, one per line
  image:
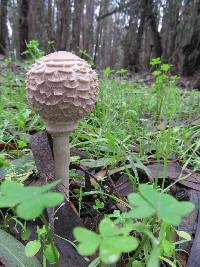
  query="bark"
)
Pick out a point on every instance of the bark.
point(105, 36)
point(101, 55)
point(65, 21)
point(151, 21)
point(170, 30)
point(89, 27)
point(37, 22)
point(129, 43)
point(23, 25)
point(122, 7)
point(98, 33)
point(191, 51)
point(50, 20)
point(76, 25)
point(3, 27)
point(134, 59)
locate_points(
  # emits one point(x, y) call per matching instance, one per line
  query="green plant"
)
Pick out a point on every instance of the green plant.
point(121, 72)
point(98, 204)
point(108, 240)
point(29, 203)
point(87, 56)
point(119, 136)
point(157, 213)
point(107, 72)
point(43, 244)
point(33, 51)
point(164, 88)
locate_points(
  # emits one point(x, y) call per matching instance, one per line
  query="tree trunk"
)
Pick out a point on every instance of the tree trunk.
point(169, 30)
point(23, 25)
point(37, 22)
point(3, 27)
point(65, 20)
point(151, 21)
point(129, 43)
point(191, 51)
point(134, 54)
point(98, 33)
point(50, 20)
point(101, 35)
point(76, 25)
point(88, 31)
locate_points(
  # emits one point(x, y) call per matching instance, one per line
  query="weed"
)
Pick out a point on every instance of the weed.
point(157, 213)
point(29, 203)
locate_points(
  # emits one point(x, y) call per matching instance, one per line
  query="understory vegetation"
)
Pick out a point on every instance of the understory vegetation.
point(132, 126)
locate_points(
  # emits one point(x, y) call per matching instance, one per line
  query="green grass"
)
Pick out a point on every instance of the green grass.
point(131, 123)
point(122, 125)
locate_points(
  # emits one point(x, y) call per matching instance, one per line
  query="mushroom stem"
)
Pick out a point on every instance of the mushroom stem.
point(61, 153)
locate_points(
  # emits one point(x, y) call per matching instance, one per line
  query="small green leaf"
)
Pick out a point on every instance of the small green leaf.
point(184, 235)
point(165, 67)
point(171, 211)
point(49, 254)
point(109, 250)
point(41, 231)
point(170, 263)
point(156, 72)
point(149, 193)
point(142, 209)
point(112, 247)
point(155, 61)
point(108, 228)
point(98, 204)
point(51, 199)
point(26, 233)
point(30, 210)
point(89, 241)
point(168, 248)
point(150, 201)
point(126, 243)
point(136, 264)
point(29, 201)
point(32, 248)
point(127, 227)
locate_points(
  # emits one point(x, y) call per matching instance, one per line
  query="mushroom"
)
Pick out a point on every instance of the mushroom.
point(62, 89)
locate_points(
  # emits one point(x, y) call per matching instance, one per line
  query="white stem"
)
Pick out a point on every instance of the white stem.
point(61, 153)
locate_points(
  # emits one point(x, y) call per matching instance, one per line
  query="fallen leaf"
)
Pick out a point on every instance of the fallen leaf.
point(174, 171)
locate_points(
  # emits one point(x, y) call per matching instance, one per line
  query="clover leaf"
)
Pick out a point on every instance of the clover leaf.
point(28, 201)
point(112, 241)
point(149, 201)
point(89, 241)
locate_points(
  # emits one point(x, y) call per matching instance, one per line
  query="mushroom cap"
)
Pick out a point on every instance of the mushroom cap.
point(62, 87)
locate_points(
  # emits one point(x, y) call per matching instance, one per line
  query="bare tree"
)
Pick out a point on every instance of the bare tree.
point(50, 29)
point(3, 27)
point(191, 51)
point(23, 24)
point(37, 22)
point(76, 24)
point(89, 26)
point(65, 23)
point(156, 46)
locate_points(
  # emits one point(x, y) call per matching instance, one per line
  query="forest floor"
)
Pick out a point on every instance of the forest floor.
point(135, 133)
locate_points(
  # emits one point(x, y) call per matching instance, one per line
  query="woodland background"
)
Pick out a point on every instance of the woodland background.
point(116, 33)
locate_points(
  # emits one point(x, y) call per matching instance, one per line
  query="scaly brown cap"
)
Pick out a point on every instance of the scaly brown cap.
point(62, 87)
